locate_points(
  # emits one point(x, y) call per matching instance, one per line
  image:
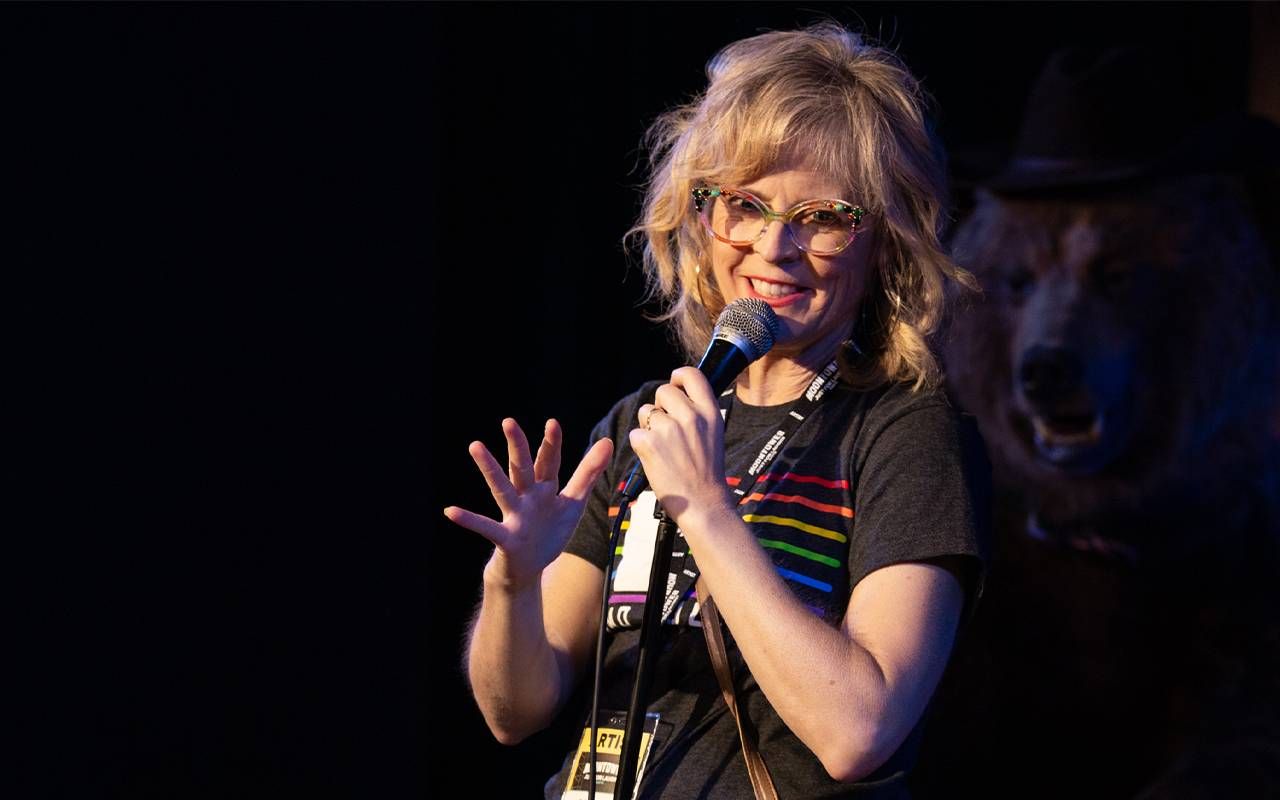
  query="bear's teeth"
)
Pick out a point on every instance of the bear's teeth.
point(1048, 436)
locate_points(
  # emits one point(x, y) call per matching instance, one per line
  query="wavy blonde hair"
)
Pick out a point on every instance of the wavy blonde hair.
point(822, 97)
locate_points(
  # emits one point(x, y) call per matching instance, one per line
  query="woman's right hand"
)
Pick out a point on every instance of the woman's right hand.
point(537, 518)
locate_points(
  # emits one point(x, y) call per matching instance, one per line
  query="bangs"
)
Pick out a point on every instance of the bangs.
point(757, 136)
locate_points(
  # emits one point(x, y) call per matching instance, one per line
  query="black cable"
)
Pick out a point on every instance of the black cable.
point(604, 611)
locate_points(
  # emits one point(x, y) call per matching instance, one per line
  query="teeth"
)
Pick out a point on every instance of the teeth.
point(767, 289)
point(1049, 437)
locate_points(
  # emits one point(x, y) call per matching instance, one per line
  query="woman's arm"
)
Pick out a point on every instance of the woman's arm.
point(851, 694)
point(533, 631)
point(528, 644)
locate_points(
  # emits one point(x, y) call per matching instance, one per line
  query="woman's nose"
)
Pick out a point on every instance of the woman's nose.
point(776, 245)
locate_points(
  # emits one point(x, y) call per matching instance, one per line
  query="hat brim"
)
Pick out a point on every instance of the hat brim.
point(1033, 174)
point(1231, 144)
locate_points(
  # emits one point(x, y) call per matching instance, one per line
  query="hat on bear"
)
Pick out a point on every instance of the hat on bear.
point(1101, 116)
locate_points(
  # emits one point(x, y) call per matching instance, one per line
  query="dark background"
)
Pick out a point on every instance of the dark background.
point(271, 268)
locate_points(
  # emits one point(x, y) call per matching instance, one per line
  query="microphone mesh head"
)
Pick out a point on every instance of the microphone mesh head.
point(749, 320)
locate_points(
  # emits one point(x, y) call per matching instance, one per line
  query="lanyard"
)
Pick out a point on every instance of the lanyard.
point(683, 568)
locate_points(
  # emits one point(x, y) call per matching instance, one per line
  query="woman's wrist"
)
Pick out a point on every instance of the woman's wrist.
point(499, 578)
point(701, 518)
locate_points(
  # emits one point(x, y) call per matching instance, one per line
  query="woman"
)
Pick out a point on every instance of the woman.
point(840, 562)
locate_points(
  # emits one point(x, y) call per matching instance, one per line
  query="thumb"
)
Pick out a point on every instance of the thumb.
point(588, 471)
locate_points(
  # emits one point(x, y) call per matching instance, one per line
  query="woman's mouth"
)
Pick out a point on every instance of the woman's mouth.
point(774, 293)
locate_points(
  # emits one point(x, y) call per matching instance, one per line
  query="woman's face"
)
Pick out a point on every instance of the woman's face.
point(815, 297)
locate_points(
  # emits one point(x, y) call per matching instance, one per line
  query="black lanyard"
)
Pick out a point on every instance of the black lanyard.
point(682, 565)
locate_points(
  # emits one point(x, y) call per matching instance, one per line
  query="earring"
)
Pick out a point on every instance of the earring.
point(697, 284)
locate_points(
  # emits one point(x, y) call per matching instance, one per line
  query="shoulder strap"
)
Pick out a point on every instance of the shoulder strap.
point(761, 782)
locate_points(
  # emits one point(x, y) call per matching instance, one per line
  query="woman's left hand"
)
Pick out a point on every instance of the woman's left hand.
point(680, 442)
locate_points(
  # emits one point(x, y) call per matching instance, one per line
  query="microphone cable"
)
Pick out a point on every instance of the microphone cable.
point(599, 668)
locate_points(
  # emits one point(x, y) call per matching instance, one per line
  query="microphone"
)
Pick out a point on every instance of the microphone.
point(744, 331)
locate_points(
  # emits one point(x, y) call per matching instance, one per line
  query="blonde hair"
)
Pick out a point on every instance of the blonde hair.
point(842, 107)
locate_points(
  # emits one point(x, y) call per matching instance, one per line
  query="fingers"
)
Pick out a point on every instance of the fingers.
point(474, 522)
point(518, 460)
point(645, 415)
point(697, 388)
point(671, 399)
point(503, 491)
point(639, 439)
point(546, 467)
point(588, 471)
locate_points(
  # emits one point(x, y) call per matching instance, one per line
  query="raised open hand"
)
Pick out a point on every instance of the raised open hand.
point(537, 518)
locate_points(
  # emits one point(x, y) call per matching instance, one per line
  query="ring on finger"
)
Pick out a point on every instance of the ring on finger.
point(648, 420)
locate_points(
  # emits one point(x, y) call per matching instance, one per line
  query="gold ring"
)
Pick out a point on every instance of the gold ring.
point(648, 420)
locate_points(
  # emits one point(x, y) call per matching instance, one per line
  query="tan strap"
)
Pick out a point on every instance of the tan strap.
point(761, 782)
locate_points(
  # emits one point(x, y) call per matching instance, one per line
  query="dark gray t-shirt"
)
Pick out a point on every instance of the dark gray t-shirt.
point(868, 480)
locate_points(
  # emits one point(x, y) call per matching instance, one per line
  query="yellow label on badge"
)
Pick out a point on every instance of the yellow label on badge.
point(608, 741)
point(610, 729)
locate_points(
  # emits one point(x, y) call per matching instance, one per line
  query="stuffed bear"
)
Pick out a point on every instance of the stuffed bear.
point(1122, 361)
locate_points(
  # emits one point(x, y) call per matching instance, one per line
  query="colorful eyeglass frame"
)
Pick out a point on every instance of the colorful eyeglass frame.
point(703, 194)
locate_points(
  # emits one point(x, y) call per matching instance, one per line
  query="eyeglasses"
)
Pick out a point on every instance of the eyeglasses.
point(819, 227)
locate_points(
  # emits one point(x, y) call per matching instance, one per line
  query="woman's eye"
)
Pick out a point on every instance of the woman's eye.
point(742, 204)
point(825, 218)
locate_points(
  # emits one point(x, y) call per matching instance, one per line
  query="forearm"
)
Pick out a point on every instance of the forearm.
point(515, 673)
point(828, 690)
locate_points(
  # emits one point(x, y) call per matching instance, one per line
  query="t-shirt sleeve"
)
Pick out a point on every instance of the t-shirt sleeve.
point(590, 539)
point(923, 493)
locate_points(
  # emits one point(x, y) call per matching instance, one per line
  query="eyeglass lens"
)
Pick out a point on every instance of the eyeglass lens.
point(819, 229)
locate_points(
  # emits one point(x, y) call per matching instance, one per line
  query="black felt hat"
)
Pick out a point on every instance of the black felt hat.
point(1098, 117)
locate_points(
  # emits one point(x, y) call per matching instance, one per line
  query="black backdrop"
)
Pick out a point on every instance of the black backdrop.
point(271, 268)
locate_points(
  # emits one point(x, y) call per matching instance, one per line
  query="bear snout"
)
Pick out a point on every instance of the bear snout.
point(1049, 374)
